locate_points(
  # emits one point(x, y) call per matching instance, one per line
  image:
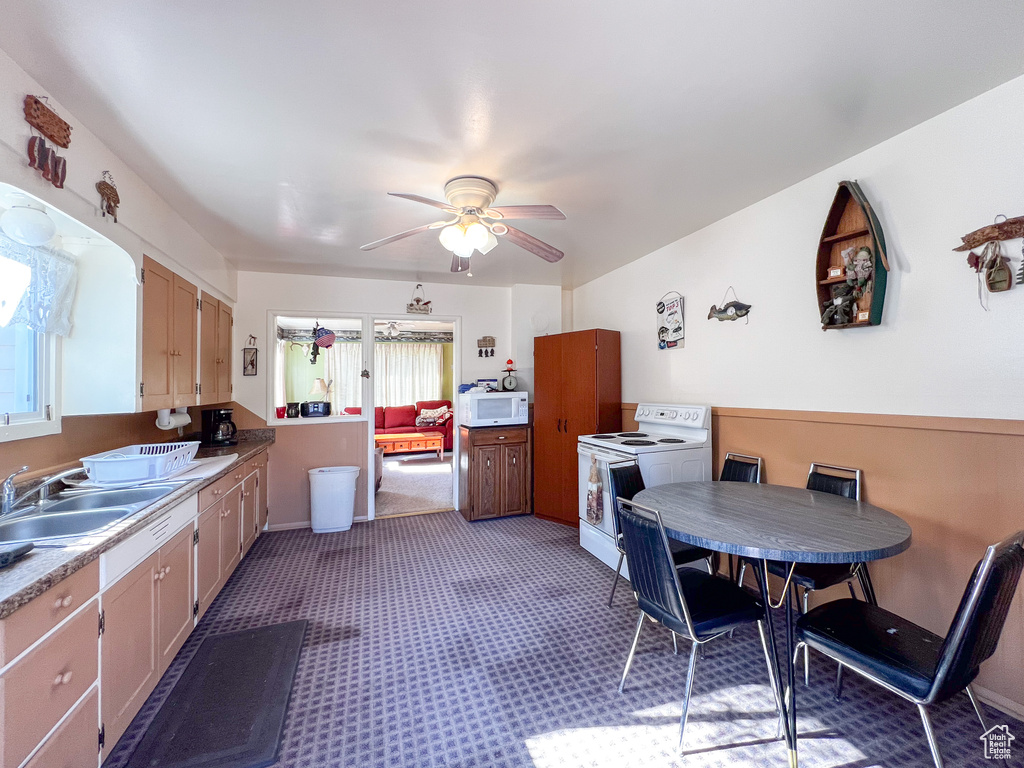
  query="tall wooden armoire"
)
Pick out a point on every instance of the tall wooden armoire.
point(577, 391)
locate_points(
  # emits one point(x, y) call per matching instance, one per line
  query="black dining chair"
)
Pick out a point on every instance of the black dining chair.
point(626, 482)
point(911, 661)
point(741, 468)
point(697, 605)
point(811, 577)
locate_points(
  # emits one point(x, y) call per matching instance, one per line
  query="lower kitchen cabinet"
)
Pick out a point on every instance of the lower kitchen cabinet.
point(130, 668)
point(230, 533)
point(494, 472)
point(174, 595)
point(73, 744)
point(250, 511)
point(208, 556)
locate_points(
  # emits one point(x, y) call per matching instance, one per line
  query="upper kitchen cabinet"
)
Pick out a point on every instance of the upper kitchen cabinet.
point(215, 351)
point(169, 333)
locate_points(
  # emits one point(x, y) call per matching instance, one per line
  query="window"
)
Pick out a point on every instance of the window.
point(27, 394)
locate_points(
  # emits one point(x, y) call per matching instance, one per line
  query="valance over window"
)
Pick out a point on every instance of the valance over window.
point(45, 307)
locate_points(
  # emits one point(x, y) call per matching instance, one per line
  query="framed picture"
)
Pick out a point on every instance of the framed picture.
point(670, 320)
point(249, 361)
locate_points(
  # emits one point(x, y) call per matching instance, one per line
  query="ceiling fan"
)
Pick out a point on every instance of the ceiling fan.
point(392, 330)
point(477, 224)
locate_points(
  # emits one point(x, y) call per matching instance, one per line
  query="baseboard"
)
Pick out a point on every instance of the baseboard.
point(1000, 702)
point(289, 526)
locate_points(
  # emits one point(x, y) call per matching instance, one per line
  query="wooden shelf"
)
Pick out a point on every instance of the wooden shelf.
point(846, 236)
point(832, 280)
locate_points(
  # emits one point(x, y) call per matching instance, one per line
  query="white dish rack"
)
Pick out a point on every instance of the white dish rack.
point(139, 463)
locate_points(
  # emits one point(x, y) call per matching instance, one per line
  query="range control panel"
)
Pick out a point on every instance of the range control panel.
point(676, 415)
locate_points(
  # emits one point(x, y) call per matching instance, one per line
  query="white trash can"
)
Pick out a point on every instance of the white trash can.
point(332, 497)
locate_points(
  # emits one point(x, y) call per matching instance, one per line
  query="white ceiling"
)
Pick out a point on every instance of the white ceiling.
point(276, 128)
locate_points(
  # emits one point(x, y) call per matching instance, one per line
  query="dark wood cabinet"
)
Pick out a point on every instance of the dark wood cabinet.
point(494, 472)
point(577, 391)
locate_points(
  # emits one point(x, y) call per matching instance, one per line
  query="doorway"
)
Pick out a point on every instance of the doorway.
point(415, 430)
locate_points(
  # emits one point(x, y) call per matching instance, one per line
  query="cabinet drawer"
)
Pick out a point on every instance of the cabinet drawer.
point(418, 445)
point(255, 463)
point(132, 551)
point(43, 686)
point(73, 745)
point(400, 445)
point(214, 492)
point(33, 620)
point(499, 435)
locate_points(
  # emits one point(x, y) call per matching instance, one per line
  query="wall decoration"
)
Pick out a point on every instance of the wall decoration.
point(670, 320)
point(249, 353)
point(322, 339)
point(47, 122)
point(418, 305)
point(852, 265)
point(993, 270)
point(109, 199)
point(44, 159)
point(1007, 229)
point(732, 310)
point(486, 346)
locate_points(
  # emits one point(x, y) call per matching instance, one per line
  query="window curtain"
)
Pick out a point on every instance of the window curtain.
point(343, 362)
point(46, 305)
point(280, 379)
point(407, 372)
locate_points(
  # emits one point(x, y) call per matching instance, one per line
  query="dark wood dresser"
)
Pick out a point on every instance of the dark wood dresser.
point(495, 472)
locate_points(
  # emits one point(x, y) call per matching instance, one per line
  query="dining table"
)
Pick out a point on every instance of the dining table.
point(762, 522)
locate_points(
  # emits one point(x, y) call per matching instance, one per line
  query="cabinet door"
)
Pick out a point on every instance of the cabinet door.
point(548, 438)
point(129, 646)
point(262, 508)
point(208, 556)
point(486, 473)
point(513, 486)
point(208, 351)
point(157, 340)
point(183, 342)
point(224, 323)
point(230, 533)
point(73, 744)
point(250, 500)
point(174, 595)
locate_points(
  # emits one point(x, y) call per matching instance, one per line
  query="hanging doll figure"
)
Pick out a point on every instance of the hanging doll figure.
point(858, 271)
point(595, 494)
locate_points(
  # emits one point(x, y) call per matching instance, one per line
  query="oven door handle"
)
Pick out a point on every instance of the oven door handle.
point(606, 456)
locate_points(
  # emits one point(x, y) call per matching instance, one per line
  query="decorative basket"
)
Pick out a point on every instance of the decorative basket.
point(137, 463)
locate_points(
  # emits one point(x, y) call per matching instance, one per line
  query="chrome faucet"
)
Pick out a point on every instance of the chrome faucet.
point(10, 501)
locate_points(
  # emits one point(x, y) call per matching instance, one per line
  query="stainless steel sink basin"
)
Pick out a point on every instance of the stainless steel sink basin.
point(113, 498)
point(77, 513)
point(46, 526)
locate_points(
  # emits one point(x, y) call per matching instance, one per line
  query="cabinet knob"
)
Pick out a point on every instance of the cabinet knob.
point(246, 494)
point(167, 569)
point(238, 476)
point(501, 437)
point(62, 678)
point(63, 602)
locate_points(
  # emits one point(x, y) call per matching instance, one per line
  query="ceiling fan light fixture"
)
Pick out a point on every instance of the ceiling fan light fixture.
point(452, 236)
point(28, 225)
point(490, 242)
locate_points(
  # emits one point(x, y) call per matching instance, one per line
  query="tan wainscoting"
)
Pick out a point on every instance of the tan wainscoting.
point(959, 484)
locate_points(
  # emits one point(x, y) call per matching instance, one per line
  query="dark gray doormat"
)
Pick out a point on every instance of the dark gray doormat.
point(227, 709)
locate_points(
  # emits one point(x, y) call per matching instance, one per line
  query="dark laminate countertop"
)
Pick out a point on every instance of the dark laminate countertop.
point(777, 522)
point(43, 567)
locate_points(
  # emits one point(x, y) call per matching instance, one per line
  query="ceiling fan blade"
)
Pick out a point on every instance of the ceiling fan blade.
point(425, 200)
point(526, 212)
point(533, 245)
point(393, 238)
point(460, 263)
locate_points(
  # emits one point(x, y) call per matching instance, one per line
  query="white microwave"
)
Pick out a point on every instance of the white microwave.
point(489, 409)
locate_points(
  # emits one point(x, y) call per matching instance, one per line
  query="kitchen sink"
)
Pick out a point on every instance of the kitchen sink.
point(37, 527)
point(82, 501)
point(79, 512)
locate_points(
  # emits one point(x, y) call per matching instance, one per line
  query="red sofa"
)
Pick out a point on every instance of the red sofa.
point(397, 419)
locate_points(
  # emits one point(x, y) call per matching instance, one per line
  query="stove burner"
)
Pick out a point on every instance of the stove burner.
point(671, 440)
point(638, 442)
point(632, 434)
point(603, 437)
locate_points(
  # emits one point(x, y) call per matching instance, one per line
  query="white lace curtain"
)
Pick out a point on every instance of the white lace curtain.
point(343, 363)
point(46, 305)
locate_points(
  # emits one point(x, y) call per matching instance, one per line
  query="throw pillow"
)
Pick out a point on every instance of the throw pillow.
point(434, 413)
point(424, 421)
point(444, 417)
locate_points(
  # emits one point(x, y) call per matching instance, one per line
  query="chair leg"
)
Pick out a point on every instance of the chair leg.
point(675, 644)
point(807, 648)
point(615, 583)
point(839, 683)
point(710, 560)
point(771, 676)
point(743, 570)
point(932, 744)
point(850, 585)
point(686, 696)
point(977, 708)
point(632, 650)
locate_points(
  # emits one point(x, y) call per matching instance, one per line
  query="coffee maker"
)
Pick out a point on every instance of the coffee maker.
point(218, 429)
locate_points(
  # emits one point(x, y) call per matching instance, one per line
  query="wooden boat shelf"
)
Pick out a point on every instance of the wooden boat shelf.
point(851, 225)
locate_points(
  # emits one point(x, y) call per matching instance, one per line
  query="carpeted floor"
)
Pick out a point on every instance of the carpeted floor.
point(436, 642)
point(414, 484)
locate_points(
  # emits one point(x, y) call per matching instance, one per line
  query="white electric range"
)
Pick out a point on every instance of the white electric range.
point(672, 444)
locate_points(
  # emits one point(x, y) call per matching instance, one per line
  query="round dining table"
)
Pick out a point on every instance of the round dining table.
point(763, 522)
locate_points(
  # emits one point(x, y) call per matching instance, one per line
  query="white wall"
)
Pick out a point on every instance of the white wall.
point(485, 311)
point(536, 311)
point(146, 224)
point(937, 351)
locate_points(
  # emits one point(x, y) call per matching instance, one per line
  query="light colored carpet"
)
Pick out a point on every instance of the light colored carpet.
point(415, 484)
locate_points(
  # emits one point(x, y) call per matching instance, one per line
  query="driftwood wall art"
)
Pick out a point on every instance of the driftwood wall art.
point(1011, 229)
point(46, 121)
point(108, 194)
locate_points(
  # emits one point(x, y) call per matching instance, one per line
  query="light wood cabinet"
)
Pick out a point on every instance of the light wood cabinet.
point(578, 391)
point(74, 743)
point(215, 351)
point(494, 472)
point(168, 338)
point(230, 533)
point(208, 556)
point(174, 595)
point(129, 643)
point(263, 513)
point(250, 512)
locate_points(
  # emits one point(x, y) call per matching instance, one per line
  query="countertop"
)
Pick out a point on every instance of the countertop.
point(43, 567)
